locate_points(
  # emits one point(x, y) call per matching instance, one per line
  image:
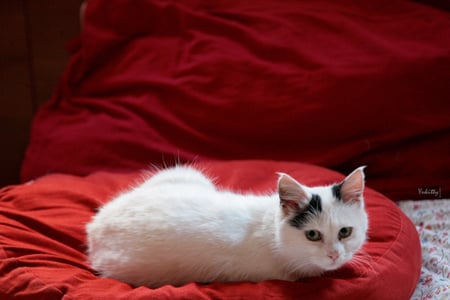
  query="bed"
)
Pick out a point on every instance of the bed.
point(431, 218)
point(242, 90)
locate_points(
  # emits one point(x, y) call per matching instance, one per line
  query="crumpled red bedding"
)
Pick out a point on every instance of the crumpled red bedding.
point(152, 82)
point(42, 241)
point(334, 83)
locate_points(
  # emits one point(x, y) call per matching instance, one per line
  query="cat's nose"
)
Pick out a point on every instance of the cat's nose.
point(333, 255)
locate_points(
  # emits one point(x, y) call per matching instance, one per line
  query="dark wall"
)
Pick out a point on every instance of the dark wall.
point(32, 57)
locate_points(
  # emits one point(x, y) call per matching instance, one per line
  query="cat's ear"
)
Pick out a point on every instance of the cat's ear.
point(352, 188)
point(293, 195)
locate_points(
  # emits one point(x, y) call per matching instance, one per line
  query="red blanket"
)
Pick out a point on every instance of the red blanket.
point(42, 242)
point(335, 83)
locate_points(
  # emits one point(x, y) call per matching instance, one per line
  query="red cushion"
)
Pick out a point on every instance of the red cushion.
point(42, 242)
point(334, 83)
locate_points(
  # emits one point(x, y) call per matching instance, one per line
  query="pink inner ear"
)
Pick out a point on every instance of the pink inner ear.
point(289, 205)
point(290, 189)
point(292, 194)
point(353, 186)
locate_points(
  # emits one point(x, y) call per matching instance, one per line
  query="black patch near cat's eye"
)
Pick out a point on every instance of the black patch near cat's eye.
point(313, 208)
point(336, 190)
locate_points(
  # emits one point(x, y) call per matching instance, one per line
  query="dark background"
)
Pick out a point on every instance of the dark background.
point(33, 35)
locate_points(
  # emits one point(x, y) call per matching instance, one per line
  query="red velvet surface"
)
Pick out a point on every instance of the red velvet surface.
point(334, 83)
point(42, 242)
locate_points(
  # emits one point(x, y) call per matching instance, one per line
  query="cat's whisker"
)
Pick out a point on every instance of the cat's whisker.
point(362, 261)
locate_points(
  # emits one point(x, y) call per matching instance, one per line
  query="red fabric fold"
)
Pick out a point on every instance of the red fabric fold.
point(338, 84)
point(42, 241)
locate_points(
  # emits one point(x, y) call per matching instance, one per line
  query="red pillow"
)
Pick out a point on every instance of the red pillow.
point(334, 83)
point(42, 242)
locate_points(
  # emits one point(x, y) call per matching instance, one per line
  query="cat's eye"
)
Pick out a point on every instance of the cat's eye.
point(313, 235)
point(345, 232)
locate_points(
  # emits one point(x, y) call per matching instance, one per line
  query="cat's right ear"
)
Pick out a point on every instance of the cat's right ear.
point(293, 196)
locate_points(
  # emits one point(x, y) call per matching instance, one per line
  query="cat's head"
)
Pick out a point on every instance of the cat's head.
point(322, 227)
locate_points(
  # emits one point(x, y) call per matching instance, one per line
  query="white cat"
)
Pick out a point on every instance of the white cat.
point(177, 227)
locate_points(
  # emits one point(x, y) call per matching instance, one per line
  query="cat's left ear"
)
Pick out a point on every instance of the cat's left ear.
point(352, 188)
point(293, 196)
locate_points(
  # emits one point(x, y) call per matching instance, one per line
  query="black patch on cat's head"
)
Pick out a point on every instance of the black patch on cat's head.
point(336, 190)
point(313, 208)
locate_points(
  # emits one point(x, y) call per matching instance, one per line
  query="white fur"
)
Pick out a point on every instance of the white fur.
point(177, 227)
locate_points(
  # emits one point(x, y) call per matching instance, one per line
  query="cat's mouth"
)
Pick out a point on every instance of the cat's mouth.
point(335, 264)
